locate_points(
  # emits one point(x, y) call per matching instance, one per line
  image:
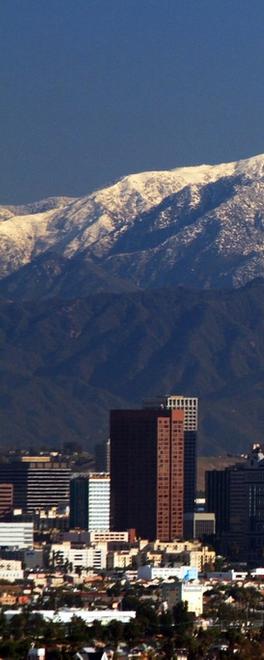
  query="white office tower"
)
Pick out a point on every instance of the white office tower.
point(16, 534)
point(90, 501)
point(99, 501)
point(190, 406)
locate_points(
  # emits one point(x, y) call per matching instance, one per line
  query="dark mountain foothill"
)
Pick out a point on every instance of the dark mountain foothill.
point(65, 363)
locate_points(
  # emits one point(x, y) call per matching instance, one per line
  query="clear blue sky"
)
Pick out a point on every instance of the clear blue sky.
point(95, 89)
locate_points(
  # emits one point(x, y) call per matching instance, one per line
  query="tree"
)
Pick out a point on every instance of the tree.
point(183, 621)
point(130, 602)
point(133, 631)
point(115, 631)
point(77, 630)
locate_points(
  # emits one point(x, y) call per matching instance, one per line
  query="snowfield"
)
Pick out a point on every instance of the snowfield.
point(201, 226)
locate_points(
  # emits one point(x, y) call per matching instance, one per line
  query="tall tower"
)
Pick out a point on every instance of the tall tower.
point(147, 471)
point(38, 482)
point(90, 501)
point(190, 407)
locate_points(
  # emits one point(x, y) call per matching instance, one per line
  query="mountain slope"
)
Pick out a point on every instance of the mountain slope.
point(201, 226)
point(65, 363)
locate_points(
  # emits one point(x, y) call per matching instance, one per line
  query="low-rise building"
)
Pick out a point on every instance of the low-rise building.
point(78, 556)
point(16, 534)
point(192, 594)
point(199, 524)
point(149, 573)
point(11, 570)
point(65, 615)
point(120, 558)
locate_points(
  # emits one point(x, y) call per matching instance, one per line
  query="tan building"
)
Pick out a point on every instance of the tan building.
point(121, 558)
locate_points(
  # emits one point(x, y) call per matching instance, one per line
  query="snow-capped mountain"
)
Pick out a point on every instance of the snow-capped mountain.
point(200, 226)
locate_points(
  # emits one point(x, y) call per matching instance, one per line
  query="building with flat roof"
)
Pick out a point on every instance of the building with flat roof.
point(90, 501)
point(37, 484)
point(199, 524)
point(191, 594)
point(236, 495)
point(6, 498)
point(65, 615)
point(153, 466)
point(16, 534)
point(147, 472)
point(180, 572)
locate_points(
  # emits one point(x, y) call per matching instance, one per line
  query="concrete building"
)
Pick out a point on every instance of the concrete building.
point(38, 482)
point(6, 498)
point(102, 536)
point(121, 558)
point(16, 534)
point(149, 573)
point(78, 556)
point(198, 525)
point(11, 570)
point(192, 594)
point(65, 615)
point(90, 501)
point(191, 553)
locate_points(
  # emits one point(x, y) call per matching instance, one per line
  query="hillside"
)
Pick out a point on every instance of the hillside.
point(65, 363)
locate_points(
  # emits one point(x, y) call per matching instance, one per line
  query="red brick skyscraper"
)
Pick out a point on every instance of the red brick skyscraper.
point(147, 471)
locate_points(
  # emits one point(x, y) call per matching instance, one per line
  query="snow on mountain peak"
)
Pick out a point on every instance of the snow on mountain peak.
point(188, 219)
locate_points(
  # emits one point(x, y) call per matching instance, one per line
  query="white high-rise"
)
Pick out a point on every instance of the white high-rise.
point(90, 501)
point(190, 406)
point(99, 501)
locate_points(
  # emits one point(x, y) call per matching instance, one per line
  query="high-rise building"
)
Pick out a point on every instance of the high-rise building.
point(6, 498)
point(217, 497)
point(189, 405)
point(37, 484)
point(90, 501)
point(102, 456)
point(147, 471)
point(236, 496)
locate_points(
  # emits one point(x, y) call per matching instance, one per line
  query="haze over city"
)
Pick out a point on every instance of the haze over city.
point(94, 90)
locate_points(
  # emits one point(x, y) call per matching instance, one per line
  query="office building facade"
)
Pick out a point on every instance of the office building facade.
point(147, 471)
point(190, 406)
point(90, 501)
point(16, 534)
point(239, 509)
point(199, 525)
point(6, 498)
point(37, 484)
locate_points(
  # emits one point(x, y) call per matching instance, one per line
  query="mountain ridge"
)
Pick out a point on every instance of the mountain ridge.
point(65, 363)
point(199, 226)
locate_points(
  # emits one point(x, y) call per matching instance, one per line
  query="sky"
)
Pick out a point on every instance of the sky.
point(92, 90)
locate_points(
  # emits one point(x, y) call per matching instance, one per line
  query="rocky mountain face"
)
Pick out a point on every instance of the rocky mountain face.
point(130, 292)
point(65, 363)
point(199, 226)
